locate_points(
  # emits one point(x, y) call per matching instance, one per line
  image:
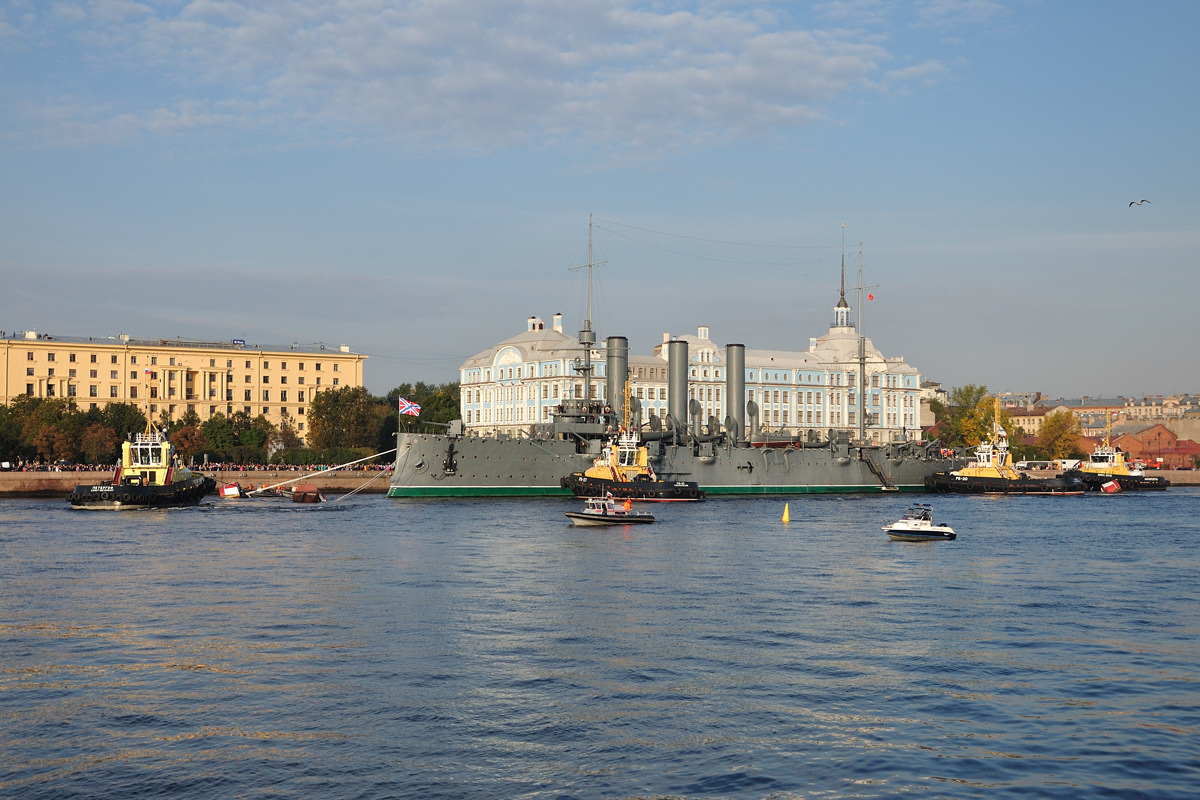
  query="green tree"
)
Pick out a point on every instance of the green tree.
point(219, 436)
point(1059, 437)
point(125, 419)
point(346, 417)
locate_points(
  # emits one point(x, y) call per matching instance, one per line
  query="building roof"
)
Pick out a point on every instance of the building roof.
point(124, 340)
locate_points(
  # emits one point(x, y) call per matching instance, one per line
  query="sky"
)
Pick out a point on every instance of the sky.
point(415, 179)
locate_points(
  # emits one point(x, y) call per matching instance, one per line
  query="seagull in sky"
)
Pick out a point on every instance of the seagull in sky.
point(1137, 203)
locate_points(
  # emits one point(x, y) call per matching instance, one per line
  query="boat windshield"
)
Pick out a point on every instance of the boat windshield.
point(147, 455)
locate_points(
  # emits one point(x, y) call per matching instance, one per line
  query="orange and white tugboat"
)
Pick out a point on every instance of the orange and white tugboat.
point(992, 472)
point(1107, 466)
point(623, 470)
point(149, 476)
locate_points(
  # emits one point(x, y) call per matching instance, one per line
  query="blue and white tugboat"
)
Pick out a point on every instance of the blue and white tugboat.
point(149, 476)
point(917, 526)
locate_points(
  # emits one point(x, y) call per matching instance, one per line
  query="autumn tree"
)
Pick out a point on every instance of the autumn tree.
point(1059, 437)
point(99, 444)
point(187, 442)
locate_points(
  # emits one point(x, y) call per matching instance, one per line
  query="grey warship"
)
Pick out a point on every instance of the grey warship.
point(457, 464)
point(731, 458)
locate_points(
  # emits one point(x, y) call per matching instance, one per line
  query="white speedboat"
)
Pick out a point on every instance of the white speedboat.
point(917, 526)
point(603, 511)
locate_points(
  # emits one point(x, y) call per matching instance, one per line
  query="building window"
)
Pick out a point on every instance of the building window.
point(300, 398)
point(112, 391)
point(247, 398)
point(70, 373)
point(112, 375)
point(283, 397)
point(29, 356)
point(283, 379)
point(153, 376)
point(172, 362)
point(266, 378)
point(301, 410)
point(114, 359)
point(301, 379)
point(283, 365)
point(70, 390)
point(212, 362)
point(133, 392)
point(266, 396)
point(49, 356)
point(318, 366)
point(29, 389)
point(336, 367)
point(93, 358)
point(171, 392)
point(318, 381)
point(229, 363)
point(153, 361)
point(50, 372)
point(300, 426)
point(153, 392)
point(247, 379)
point(71, 358)
point(335, 380)
point(266, 365)
point(29, 372)
point(92, 391)
point(133, 374)
point(133, 359)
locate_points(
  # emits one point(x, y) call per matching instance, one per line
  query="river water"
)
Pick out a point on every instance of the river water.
point(486, 649)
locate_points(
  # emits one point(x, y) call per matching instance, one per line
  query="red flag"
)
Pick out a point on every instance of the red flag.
point(870, 296)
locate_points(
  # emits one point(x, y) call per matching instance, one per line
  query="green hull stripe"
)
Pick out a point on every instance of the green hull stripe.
point(554, 491)
point(478, 491)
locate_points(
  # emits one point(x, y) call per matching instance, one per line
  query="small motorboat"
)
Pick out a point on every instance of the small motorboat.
point(917, 526)
point(603, 511)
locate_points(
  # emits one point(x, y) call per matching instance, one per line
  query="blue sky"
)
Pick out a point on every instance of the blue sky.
point(414, 179)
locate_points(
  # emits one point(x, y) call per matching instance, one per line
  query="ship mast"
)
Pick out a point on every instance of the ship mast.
point(587, 337)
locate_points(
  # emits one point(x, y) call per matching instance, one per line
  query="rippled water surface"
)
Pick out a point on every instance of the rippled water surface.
point(485, 649)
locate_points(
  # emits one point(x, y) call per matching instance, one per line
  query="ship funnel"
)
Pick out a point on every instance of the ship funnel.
point(735, 389)
point(677, 382)
point(616, 369)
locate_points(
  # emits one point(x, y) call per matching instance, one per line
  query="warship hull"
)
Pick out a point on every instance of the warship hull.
point(436, 465)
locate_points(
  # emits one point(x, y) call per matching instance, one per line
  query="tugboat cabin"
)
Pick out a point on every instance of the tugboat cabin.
point(146, 461)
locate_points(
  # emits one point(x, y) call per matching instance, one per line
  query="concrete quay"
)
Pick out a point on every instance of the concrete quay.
point(60, 484)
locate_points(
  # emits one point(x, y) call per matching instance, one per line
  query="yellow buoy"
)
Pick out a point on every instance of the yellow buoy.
point(786, 518)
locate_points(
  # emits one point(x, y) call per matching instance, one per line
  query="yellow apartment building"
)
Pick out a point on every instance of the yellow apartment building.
point(177, 375)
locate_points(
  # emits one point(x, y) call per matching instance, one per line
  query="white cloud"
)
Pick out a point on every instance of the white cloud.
point(612, 75)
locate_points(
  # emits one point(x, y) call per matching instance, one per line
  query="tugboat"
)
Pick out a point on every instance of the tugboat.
point(603, 511)
point(992, 472)
point(149, 476)
point(917, 526)
point(1108, 465)
point(623, 470)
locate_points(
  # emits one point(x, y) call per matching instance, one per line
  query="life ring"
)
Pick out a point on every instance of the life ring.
point(72, 497)
point(125, 498)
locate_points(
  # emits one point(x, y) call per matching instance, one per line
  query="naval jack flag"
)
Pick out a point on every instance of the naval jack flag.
point(410, 408)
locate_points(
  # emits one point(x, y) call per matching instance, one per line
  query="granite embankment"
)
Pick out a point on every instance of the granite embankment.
point(60, 484)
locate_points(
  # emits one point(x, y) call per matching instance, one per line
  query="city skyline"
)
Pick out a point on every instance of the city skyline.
point(414, 180)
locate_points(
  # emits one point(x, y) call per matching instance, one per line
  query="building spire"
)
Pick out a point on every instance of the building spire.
point(841, 312)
